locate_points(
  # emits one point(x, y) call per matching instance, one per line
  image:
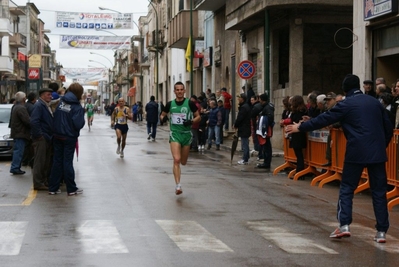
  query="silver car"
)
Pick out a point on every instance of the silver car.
point(6, 143)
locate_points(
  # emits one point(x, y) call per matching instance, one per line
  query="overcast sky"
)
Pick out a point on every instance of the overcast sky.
point(79, 58)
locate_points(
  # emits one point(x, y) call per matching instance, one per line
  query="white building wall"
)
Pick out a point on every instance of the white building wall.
point(178, 72)
point(362, 44)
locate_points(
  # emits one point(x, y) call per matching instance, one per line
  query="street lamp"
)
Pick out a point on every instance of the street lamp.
point(156, 41)
point(141, 45)
point(99, 63)
point(94, 53)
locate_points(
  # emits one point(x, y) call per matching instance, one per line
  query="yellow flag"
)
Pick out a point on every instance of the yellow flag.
point(188, 55)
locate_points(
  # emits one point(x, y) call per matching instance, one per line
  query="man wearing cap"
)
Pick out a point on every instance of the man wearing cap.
point(368, 131)
point(368, 88)
point(41, 122)
point(243, 126)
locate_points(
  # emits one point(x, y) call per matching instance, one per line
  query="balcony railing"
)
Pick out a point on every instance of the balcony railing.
point(179, 29)
point(18, 40)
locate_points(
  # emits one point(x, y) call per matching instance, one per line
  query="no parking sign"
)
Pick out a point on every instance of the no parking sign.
point(246, 69)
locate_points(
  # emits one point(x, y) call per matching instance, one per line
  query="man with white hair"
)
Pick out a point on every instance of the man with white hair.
point(20, 131)
point(321, 103)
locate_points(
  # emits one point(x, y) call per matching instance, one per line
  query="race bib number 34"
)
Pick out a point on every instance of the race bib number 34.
point(178, 118)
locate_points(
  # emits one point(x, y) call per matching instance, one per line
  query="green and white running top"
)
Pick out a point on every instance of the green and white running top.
point(90, 109)
point(178, 114)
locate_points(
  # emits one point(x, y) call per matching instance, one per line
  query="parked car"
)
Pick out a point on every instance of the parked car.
point(6, 143)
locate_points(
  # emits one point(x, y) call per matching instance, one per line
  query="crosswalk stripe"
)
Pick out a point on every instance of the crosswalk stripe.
point(367, 235)
point(190, 236)
point(287, 241)
point(100, 237)
point(11, 237)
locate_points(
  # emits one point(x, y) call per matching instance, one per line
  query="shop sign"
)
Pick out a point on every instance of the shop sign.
point(376, 8)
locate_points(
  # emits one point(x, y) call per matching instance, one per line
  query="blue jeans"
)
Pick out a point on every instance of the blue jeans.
point(17, 155)
point(152, 125)
point(226, 124)
point(214, 131)
point(64, 150)
point(245, 148)
point(266, 151)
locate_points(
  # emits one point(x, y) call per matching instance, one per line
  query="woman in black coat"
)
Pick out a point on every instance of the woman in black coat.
point(297, 140)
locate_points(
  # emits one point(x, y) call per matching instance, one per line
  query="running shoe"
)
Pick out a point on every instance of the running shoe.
point(153, 139)
point(121, 155)
point(149, 136)
point(78, 191)
point(118, 150)
point(242, 162)
point(342, 231)
point(55, 192)
point(380, 237)
point(178, 190)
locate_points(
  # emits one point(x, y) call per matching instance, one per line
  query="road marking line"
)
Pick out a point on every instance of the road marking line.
point(190, 236)
point(11, 237)
point(367, 235)
point(289, 242)
point(31, 196)
point(100, 236)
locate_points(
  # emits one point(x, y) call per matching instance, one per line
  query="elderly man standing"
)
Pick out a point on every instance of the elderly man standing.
point(20, 131)
point(41, 122)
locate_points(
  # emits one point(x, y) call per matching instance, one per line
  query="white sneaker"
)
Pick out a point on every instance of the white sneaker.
point(121, 155)
point(199, 148)
point(153, 139)
point(242, 162)
point(118, 150)
point(149, 136)
point(202, 147)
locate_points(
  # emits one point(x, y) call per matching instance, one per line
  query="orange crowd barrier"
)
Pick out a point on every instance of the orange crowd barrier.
point(315, 157)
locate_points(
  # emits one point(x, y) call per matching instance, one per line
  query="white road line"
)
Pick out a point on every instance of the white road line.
point(100, 237)
point(190, 236)
point(367, 235)
point(289, 242)
point(11, 237)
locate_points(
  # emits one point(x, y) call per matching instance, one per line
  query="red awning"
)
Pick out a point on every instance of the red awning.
point(132, 91)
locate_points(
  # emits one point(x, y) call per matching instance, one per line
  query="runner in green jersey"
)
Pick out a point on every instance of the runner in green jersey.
point(89, 108)
point(183, 113)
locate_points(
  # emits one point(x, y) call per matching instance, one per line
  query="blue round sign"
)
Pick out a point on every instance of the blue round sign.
point(246, 69)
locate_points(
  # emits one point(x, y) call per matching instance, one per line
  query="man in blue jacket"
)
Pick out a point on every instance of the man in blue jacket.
point(368, 131)
point(152, 118)
point(68, 121)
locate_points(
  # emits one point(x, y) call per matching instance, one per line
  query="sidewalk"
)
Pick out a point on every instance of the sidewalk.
point(227, 142)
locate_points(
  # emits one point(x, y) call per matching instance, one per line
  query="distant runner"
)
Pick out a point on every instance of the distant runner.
point(89, 108)
point(119, 119)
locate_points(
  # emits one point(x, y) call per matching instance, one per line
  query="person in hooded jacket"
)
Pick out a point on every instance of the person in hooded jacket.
point(368, 132)
point(68, 121)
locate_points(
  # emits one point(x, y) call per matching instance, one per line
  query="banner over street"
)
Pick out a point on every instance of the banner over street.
point(92, 21)
point(94, 42)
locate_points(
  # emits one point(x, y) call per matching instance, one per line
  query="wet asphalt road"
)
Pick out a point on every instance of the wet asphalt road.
point(228, 215)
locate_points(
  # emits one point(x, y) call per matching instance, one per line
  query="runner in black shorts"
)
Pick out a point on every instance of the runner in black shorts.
point(119, 119)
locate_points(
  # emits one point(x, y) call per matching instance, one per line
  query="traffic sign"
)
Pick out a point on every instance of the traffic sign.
point(246, 69)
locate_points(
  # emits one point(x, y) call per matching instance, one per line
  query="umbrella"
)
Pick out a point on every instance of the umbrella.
point(77, 149)
point(234, 146)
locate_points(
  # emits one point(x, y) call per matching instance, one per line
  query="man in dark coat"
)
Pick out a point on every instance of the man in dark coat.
point(41, 122)
point(152, 118)
point(266, 148)
point(243, 126)
point(20, 131)
point(368, 131)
